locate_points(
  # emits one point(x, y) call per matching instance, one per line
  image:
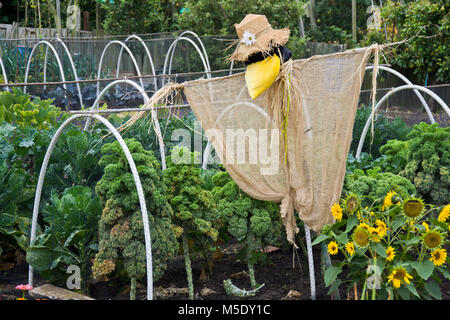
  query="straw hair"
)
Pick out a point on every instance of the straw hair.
point(266, 37)
point(164, 96)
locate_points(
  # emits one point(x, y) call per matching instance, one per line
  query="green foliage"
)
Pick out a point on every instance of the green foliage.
point(17, 108)
point(121, 235)
point(194, 209)
point(75, 158)
point(218, 17)
point(70, 236)
point(15, 198)
point(424, 160)
point(395, 153)
point(426, 25)
point(244, 215)
point(23, 147)
point(384, 130)
point(334, 23)
point(253, 222)
point(365, 162)
point(142, 130)
point(331, 34)
point(23, 140)
point(373, 184)
point(135, 16)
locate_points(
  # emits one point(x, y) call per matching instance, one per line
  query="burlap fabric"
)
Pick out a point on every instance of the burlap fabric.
point(303, 126)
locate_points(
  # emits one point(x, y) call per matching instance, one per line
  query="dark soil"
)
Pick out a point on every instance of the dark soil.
point(9, 279)
point(277, 273)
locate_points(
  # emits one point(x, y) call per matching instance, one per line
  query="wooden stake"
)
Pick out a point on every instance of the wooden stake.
point(355, 291)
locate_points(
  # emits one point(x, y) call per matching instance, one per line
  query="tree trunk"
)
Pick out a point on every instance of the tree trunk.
point(187, 262)
point(97, 16)
point(301, 28)
point(354, 35)
point(312, 17)
point(58, 17)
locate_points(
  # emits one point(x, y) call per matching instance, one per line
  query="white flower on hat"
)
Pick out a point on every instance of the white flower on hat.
point(248, 38)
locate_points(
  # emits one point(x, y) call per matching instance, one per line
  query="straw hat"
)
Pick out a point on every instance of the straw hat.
point(256, 35)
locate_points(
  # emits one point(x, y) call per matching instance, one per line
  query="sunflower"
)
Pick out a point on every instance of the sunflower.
point(364, 225)
point(444, 214)
point(381, 226)
point(398, 276)
point(376, 234)
point(390, 253)
point(433, 239)
point(336, 211)
point(351, 203)
point(361, 237)
point(388, 200)
point(438, 257)
point(332, 248)
point(350, 248)
point(413, 208)
point(426, 226)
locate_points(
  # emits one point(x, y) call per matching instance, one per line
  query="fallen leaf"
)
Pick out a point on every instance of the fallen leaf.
point(292, 295)
point(206, 292)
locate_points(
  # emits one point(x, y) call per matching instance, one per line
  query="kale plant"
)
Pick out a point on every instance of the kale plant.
point(121, 235)
point(195, 213)
point(424, 160)
point(253, 222)
point(373, 184)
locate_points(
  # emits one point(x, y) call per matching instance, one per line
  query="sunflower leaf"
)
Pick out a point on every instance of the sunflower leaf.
point(342, 238)
point(433, 288)
point(398, 222)
point(439, 224)
point(413, 290)
point(380, 249)
point(331, 274)
point(334, 286)
point(404, 293)
point(444, 272)
point(424, 269)
point(319, 239)
point(351, 222)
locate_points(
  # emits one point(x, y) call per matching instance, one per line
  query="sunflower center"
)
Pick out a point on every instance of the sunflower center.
point(352, 204)
point(437, 255)
point(412, 208)
point(400, 274)
point(433, 239)
point(361, 237)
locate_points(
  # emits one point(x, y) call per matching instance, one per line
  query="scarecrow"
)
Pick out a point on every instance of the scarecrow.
point(303, 111)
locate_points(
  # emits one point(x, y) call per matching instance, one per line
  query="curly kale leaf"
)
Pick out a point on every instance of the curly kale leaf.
point(427, 160)
point(121, 226)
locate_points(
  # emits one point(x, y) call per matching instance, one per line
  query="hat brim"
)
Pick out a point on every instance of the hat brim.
point(264, 43)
